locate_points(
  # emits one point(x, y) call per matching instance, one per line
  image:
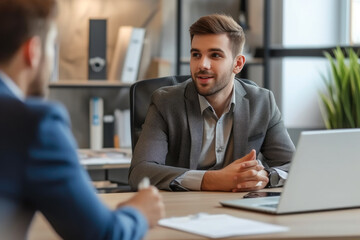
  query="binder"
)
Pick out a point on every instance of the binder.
point(96, 123)
point(128, 50)
point(122, 128)
point(97, 49)
point(108, 125)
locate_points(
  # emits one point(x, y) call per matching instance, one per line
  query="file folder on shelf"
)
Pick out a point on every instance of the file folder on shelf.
point(96, 123)
point(127, 55)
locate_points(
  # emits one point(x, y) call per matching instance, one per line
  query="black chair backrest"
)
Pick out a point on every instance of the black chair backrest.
point(140, 96)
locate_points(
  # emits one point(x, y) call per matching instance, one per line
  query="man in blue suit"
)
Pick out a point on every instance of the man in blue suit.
point(39, 167)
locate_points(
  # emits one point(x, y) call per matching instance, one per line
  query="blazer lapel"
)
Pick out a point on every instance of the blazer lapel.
point(195, 122)
point(241, 121)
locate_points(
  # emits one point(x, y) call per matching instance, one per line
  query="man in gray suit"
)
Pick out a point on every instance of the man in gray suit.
point(207, 133)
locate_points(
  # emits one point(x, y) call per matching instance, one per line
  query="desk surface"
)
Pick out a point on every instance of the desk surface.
point(339, 224)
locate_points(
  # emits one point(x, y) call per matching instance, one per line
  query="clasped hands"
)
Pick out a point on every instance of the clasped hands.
point(244, 174)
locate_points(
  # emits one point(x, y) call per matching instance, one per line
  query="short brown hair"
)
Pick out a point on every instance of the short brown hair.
point(217, 24)
point(21, 20)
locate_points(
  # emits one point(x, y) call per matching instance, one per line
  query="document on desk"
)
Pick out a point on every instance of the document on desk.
point(89, 157)
point(219, 225)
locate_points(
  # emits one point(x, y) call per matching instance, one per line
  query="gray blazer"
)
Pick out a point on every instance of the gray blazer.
point(171, 138)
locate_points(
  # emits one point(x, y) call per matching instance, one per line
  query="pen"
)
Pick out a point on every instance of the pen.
point(144, 183)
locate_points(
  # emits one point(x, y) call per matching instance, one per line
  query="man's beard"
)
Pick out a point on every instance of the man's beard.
point(219, 84)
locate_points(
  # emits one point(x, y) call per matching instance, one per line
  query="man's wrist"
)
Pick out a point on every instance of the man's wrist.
point(208, 182)
point(274, 178)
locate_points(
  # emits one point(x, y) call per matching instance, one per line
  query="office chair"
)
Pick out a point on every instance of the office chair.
point(140, 96)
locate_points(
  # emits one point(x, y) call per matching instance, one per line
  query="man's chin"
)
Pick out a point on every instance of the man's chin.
point(203, 91)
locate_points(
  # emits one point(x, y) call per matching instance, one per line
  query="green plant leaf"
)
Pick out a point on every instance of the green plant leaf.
point(328, 119)
point(341, 99)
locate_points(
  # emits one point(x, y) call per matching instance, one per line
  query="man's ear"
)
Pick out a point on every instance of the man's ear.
point(32, 52)
point(239, 64)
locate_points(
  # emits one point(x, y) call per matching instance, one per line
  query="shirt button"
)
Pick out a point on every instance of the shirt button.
point(220, 149)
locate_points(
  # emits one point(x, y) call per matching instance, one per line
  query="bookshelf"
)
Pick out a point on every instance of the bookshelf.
point(75, 96)
point(73, 88)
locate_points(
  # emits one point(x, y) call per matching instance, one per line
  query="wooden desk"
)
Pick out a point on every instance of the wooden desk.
point(339, 224)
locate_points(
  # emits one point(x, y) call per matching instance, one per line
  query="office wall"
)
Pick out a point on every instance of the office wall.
point(308, 23)
point(168, 34)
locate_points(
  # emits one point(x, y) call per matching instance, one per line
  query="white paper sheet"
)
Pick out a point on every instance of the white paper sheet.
point(103, 161)
point(219, 225)
point(102, 157)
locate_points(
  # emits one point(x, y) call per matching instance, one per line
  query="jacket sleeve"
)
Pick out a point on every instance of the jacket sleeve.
point(277, 148)
point(150, 154)
point(59, 187)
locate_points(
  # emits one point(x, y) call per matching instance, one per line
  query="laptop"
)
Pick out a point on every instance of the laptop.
point(324, 174)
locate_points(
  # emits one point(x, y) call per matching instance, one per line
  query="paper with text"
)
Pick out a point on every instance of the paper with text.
point(219, 225)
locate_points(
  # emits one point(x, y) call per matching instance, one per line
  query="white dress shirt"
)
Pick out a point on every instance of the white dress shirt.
point(11, 86)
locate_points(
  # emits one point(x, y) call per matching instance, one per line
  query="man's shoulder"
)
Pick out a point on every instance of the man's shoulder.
point(42, 108)
point(30, 111)
point(249, 85)
point(251, 89)
point(21, 120)
point(171, 93)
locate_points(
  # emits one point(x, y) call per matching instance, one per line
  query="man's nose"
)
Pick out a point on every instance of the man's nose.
point(205, 63)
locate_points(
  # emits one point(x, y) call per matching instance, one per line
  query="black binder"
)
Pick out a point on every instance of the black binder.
point(97, 49)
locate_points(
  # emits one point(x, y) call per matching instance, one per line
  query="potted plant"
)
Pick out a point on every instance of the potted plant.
point(341, 100)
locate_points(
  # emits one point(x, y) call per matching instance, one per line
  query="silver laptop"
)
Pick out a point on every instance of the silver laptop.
point(324, 174)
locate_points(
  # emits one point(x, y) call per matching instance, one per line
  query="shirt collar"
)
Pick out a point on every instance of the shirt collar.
point(14, 89)
point(204, 104)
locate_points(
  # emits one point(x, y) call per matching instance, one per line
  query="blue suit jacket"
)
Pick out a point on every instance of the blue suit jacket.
point(40, 170)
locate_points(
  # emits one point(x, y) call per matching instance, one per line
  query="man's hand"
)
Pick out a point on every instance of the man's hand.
point(259, 181)
point(149, 202)
point(244, 174)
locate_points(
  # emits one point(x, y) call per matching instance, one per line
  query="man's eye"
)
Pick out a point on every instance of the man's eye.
point(195, 55)
point(215, 55)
